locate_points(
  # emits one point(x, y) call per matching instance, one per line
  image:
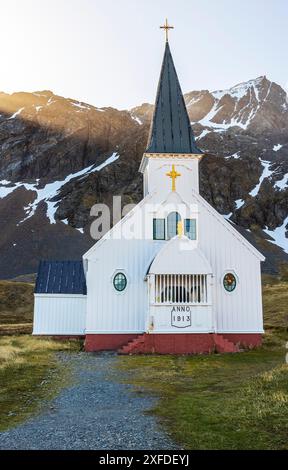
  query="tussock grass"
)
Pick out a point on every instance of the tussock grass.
point(30, 375)
point(234, 401)
point(275, 301)
point(16, 302)
point(15, 329)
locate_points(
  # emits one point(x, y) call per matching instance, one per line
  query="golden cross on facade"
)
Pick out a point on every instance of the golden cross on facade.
point(173, 175)
point(167, 27)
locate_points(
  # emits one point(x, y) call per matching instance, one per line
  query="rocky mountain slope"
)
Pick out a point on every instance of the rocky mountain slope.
point(58, 157)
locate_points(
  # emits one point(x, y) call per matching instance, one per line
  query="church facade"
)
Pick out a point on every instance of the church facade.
point(173, 276)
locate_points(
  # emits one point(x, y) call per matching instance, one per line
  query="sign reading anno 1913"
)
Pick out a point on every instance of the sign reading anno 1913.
point(181, 316)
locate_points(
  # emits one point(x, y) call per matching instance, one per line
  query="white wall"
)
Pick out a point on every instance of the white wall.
point(111, 312)
point(200, 317)
point(155, 177)
point(59, 314)
point(240, 310)
point(119, 312)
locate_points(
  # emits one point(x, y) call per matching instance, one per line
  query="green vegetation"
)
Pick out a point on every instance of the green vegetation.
point(237, 401)
point(16, 307)
point(30, 374)
point(275, 300)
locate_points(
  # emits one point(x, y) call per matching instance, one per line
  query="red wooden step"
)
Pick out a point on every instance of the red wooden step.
point(132, 345)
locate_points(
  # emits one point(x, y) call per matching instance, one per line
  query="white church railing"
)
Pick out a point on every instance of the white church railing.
point(181, 289)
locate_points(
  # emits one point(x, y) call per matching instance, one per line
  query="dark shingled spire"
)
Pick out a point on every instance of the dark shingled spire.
point(171, 130)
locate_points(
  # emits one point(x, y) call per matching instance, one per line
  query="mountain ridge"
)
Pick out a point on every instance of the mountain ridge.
point(59, 156)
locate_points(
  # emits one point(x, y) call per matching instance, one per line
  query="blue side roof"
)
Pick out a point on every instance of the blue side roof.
point(61, 277)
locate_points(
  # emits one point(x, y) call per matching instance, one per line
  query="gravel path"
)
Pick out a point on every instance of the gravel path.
point(96, 412)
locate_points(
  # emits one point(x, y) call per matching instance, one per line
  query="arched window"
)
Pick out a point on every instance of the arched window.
point(172, 223)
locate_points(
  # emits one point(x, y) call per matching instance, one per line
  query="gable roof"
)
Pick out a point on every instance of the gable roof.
point(199, 199)
point(229, 226)
point(171, 130)
point(110, 232)
point(180, 256)
point(61, 277)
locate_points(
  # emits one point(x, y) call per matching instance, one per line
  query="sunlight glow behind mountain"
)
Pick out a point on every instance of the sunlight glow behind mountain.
point(109, 53)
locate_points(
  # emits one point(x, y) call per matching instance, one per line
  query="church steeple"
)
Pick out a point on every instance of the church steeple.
point(171, 130)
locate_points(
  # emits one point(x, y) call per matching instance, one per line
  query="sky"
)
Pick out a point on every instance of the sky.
point(109, 52)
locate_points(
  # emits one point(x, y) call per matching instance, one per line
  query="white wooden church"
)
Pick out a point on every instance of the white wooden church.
point(173, 276)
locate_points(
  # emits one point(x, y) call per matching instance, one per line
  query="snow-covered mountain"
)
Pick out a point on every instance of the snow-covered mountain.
point(255, 105)
point(59, 156)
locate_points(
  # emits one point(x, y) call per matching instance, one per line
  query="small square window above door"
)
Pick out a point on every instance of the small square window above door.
point(158, 229)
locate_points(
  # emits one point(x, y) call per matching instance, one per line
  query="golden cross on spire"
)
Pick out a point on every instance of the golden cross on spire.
point(167, 27)
point(173, 175)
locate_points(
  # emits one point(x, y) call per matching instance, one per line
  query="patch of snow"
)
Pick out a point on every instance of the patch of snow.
point(239, 203)
point(51, 101)
point(65, 221)
point(16, 114)
point(38, 108)
point(277, 147)
point(251, 89)
point(203, 133)
point(266, 173)
point(282, 184)
point(39, 94)
point(107, 162)
point(100, 110)
point(240, 90)
point(135, 118)
point(80, 105)
point(279, 235)
point(51, 190)
point(227, 216)
point(14, 244)
point(5, 190)
point(236, 156)
point(207, 121)
point(194, 100)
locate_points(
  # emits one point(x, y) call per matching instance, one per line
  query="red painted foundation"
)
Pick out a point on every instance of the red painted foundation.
point(245, 340)
point(193, 343)
point(111, 342)
point(175, 344)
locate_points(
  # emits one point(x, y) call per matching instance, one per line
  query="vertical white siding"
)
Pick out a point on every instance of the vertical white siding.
point(59, 314)
point(109, 311)
point(119, 312)
point(240, 310)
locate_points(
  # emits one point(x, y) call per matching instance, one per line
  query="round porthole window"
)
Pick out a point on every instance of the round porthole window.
point(229, 282)
point(120, 282)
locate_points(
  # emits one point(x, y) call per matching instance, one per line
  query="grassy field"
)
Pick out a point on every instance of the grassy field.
point(30, 374)
point(16, 307)
point(237, 401)
point(206, 402)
